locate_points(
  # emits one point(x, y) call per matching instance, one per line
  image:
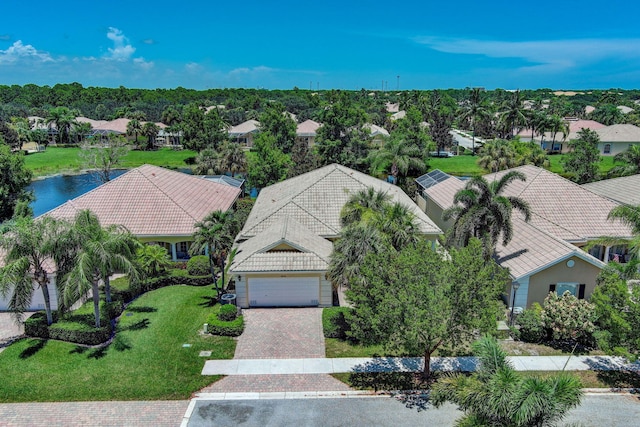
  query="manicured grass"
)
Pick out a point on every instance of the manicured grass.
point(519, 348)
point(67, 160)
point(335, 347)
point(146, 360)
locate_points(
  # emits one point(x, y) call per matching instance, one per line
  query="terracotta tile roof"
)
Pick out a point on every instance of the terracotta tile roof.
point(308, 251)
point(619, 133)
point(308, 128)
point(315, 199)
point(625, 189)
point(153, 201)
point(94, 123)
point(118, 125)
point(245, 127)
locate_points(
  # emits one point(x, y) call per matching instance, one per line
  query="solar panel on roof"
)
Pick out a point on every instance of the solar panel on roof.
point(432, 178)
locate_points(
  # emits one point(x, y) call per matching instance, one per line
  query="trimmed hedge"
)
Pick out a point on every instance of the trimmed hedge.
point(228, 312)
point(70, 331)
point(231, 328)
point(198, 265)
point(160, 282)
point(334, 323)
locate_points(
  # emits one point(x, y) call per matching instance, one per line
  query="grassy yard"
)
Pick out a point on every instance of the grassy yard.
point(67, 160)
point(146, 361)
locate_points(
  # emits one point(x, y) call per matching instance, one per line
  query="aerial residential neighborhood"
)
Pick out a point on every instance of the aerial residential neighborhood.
point(258, 214)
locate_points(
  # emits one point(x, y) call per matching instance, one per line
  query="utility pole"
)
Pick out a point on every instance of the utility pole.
point(398, 88)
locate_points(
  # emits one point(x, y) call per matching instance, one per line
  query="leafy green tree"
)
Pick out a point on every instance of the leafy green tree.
point(213, 237)
point(497, 395)
point(101, 252)
point(278, 123)
point(30, 246)
point(9, 135)
point(14, 179)
point(568, 318)
point(440, 117)
point(529, 153)
point(303, 159)
point(154, 260)
point(63, 118)
point(581, 162)
point(215, 129)
point(232, 158)
point(397, 158)
point(171, 115)
point(481, 211)
point(418, 300)
point(207, 162)
point(269, 164)
point(193, 128)
point(103, 158)
point(412, 128)
point(630, 160)
point(497, 155)
point(473, 109)
point(80, 130)
point(607, 114)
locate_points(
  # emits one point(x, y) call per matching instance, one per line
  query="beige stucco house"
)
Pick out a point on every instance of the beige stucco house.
point(545, 253)
point(615, 139)
point(284, 248)
point(245, 132)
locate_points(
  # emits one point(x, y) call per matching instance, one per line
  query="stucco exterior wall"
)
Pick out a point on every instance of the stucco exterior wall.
point(37, 302)
point(581, 272)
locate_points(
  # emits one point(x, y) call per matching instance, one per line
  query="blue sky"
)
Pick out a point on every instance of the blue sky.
point(328, 44)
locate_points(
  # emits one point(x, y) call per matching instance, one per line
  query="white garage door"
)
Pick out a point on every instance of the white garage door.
point(284, 291)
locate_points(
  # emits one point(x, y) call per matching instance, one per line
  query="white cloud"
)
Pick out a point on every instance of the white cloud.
point(19, 51)
point(551, 55)
point(121, 50)
point(141, 63)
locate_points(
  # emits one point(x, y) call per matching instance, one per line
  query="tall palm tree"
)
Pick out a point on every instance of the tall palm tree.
point(33, 251)
point(473, 109)
point(81, 130)
point(232, 158)
point(555, 125)
point(497, 395)
point(513, 114)
point(631, 162)
point(102, 251)
point(399, 225)
point(207, 162)
point(397, 157)
point(63, 118)
point(480, 210)
point(497, 155)
point(134, 128)
point(150, 130)
point(214, 236)
point(362, 204)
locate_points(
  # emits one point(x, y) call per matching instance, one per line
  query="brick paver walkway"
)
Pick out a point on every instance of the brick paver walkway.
point(270, 383)
point(281, 333)
point(156, 413)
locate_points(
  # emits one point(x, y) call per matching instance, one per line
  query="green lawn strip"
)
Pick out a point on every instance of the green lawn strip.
point(335, 347)
point(146, 360)
point(410, 380)
point(67, 160)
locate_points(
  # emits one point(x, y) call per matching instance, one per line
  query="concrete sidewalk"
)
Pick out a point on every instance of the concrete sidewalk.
point(408, 364)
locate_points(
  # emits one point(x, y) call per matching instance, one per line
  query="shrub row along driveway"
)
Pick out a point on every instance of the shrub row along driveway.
point(279, 333)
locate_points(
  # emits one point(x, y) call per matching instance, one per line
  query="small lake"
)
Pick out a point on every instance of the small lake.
point(55, 190)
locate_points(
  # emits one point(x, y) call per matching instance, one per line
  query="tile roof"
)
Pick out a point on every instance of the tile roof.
point(315, 199)
point(624, 109)
point(118, 125)
point(619, 133)
point(376, 130)
point(153, 201)
point(625, 189)
point(307, 128)
point(309, 252)
point(245, 127)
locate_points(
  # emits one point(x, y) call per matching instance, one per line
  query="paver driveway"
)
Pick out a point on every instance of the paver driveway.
point(281, 333)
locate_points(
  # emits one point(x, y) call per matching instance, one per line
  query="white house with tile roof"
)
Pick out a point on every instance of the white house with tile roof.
point(615, 139)
point(544, 253)
point(307, 132)
point(625, 189)
point(283, 250)
point(155, 204)
point(245, 132)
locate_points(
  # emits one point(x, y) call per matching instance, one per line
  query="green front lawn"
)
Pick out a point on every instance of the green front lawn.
point(67, 160)
point(146, 361)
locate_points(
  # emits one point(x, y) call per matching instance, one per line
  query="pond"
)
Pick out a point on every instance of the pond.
point(55, 190)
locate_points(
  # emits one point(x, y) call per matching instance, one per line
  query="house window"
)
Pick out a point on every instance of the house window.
point(557, 146)
point(575, 289)
point(182, 250)
point(607, 149)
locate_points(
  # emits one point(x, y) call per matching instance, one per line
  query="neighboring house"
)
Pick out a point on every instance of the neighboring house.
point(245, 132)
point(622, 190)
point(558, 143)
point(398, 115)
point(157, 205)
point(391, 107)
point(546, 253)
point(283, 250)
point(307, 132)
point(624, 109)
point(615, 139)
point(377, 133)
point(37, 301)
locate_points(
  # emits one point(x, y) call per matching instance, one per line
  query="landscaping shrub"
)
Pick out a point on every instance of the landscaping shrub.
point(233, 328)
point(531, 326)
point(334, 323)
point(569, 318)
point(80, 333)
point(198, 265)
point(228, 312)
point(36, 325)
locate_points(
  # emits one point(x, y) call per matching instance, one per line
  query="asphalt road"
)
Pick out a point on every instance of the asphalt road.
point(596, 410)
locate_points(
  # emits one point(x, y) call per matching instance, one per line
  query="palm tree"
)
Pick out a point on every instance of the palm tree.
point(214, 236)
point(81, 130)
point(397, 158)
point(474, 109)
point(134, 128)
point(497, 395)
point(154, 260)
point(363, 203)
point(481, 211)
point(137, 115)
point(207, 162)
point(102, 251)
point(150, 130)
point(399, 225)
point(497, 155)
point(63, 118)
point(555, 125)
point(232, 158)
point(513, 114)
point(34, 250)
point(631, 162)
point(171, 116)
